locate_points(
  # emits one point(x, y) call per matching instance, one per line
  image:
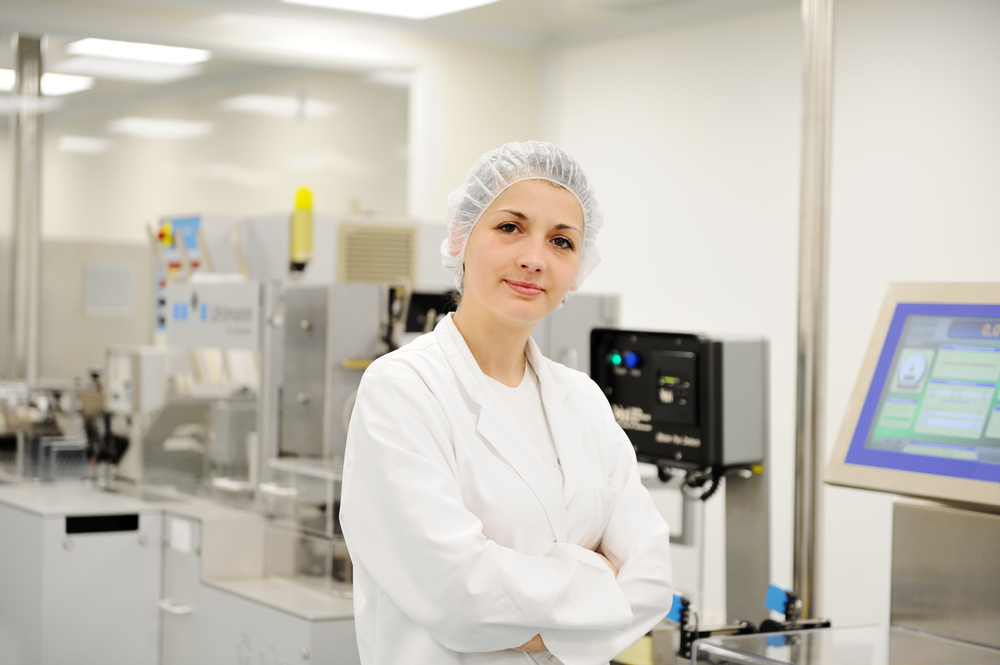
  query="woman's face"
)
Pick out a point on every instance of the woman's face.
point(523, 254)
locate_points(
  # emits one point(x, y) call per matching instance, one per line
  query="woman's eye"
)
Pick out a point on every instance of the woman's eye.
point(508, 227)
point(563, 243)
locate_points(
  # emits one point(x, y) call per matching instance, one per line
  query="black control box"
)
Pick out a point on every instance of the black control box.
point(686, 400)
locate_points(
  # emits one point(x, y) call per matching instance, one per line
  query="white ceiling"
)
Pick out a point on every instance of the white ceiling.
point(526, 22)
point(245, 35)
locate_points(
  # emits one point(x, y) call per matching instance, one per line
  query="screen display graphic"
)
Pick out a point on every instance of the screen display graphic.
point(933, 404)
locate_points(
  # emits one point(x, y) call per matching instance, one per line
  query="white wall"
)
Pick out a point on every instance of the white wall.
point(466, 100)
point(916, 162)
point(692, 137)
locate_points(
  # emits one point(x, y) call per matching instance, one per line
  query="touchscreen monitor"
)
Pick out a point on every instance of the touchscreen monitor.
point(924, 419)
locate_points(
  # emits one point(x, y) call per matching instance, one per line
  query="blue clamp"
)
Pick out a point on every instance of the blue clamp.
point(777, 598)
point(677, 607)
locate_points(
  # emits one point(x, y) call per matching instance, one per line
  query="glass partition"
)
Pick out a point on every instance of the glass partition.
point(223, 136)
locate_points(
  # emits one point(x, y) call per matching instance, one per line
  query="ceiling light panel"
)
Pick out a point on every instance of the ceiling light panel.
point(26, 106)
point(390, 78)
point(412, 9)
point(276, 106)
point(138, 52)
point(87, 145)
point(124, 70)
point(56, 85)
point(155, 128)
point(53, 85)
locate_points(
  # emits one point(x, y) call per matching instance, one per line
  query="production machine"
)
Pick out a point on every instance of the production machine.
point(52, 430)
point(689, 402)
point(696, 407)
point(923, 423)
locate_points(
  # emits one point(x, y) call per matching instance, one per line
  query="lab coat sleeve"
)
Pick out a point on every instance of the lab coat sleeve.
point(637, 541)
point(404, 521)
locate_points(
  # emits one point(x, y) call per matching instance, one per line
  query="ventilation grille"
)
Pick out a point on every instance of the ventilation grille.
point(377, 253)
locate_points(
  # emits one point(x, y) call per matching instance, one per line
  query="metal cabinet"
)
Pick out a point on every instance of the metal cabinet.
point(79, 577)
point(238, 620)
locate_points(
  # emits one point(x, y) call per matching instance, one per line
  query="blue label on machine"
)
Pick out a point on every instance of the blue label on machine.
point(777, 598)
point(675, 609)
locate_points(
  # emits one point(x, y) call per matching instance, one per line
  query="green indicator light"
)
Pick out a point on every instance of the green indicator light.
point(615, 358)
point(668, 380)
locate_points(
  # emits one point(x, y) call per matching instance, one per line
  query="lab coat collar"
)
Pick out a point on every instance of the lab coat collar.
point(494, 423)
point(464, 364)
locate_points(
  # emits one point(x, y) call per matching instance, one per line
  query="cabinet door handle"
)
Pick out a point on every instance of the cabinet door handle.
point(168, 606)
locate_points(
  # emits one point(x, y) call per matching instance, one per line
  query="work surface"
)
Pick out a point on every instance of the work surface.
point(871, 645)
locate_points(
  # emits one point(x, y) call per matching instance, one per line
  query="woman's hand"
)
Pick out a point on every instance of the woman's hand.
point(533, 645)
point(608, 561)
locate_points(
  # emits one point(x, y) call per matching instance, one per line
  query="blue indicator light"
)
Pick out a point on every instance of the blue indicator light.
point(632, 359)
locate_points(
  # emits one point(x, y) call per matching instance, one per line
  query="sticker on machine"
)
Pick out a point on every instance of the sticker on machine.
point(678, 439)
point(632, 417)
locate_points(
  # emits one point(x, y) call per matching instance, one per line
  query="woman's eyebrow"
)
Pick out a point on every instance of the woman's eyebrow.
point(516, 213)
point(567, 227)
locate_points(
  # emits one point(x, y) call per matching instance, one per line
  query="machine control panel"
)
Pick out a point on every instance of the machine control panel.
point(685, 400)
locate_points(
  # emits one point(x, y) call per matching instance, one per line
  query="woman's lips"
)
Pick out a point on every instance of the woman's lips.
point(525, 288)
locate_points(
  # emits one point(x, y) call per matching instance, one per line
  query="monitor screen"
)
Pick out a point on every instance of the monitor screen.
point(925, 416)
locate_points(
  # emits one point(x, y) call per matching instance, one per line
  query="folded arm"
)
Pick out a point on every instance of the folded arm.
point(637, 543)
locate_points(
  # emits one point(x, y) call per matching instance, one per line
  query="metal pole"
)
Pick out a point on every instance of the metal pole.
point(812, 314)
point(26, 141)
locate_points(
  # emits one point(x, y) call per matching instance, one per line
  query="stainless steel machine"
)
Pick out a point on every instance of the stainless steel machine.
point(923, 424)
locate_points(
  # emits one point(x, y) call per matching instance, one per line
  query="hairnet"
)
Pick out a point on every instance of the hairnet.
point(499, 169)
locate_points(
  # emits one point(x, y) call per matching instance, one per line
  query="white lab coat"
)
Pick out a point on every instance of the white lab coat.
point(463, 543)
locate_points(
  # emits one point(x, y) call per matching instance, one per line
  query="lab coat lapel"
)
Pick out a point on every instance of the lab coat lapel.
point(508, 438)
point(496, 427)
point(566, 424)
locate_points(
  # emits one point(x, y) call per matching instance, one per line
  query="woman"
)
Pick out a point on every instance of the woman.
point(491, 504)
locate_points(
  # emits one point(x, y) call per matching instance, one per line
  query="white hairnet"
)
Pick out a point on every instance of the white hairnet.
point(499, 169)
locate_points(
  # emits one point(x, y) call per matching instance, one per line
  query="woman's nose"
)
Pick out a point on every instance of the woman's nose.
point(531, 258)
